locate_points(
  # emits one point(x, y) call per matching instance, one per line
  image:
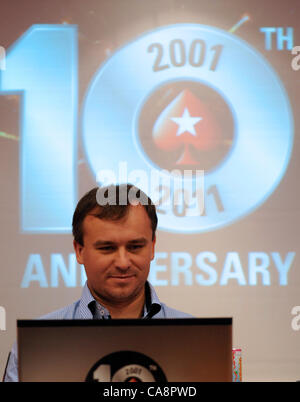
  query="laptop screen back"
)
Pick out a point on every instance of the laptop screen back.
point(173, 350)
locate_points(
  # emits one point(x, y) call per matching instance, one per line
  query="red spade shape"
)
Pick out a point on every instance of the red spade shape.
point(186, 121)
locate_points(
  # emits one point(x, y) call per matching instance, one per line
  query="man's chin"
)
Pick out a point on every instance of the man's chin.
point(123, 295)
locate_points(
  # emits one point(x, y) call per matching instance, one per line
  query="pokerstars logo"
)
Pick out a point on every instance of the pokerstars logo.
point(180, 126)
point(190, 98)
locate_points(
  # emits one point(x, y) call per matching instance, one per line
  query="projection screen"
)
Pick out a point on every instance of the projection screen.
point(193, 101)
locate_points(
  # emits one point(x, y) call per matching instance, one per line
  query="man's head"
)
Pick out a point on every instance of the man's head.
point(111, 203)
point(115, 243)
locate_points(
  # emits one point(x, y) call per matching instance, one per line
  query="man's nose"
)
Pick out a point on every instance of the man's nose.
point(122, 260)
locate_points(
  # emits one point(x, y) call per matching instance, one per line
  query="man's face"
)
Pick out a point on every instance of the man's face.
point(117, 255)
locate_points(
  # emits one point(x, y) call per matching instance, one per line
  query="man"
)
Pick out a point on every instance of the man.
point(114, 231)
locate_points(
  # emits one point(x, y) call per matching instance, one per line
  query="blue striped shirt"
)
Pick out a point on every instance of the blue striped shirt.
point(88, 308)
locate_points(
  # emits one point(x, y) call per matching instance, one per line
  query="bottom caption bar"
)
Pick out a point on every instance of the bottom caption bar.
point(151, 391)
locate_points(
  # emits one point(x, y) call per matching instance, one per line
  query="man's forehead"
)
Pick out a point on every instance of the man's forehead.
point(136, 219)
point(120, 214)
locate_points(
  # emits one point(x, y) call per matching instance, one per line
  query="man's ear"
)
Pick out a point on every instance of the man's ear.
point(78, 251)
point(153, 247)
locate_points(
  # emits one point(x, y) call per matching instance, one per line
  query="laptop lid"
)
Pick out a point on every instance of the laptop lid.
point(172, 350)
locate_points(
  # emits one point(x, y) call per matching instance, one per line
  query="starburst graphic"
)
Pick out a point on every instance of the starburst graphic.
point(236, 26)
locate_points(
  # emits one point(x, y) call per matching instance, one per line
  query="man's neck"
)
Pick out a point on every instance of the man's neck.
point(129, 311)
point(125, 309)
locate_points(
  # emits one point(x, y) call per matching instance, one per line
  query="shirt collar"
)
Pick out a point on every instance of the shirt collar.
point(86, 300)
point(152, 304)
point(88, 304)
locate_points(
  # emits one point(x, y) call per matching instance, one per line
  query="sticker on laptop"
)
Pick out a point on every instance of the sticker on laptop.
point(126, 366)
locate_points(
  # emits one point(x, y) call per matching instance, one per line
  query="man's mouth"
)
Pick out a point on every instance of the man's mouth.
point(122, 277)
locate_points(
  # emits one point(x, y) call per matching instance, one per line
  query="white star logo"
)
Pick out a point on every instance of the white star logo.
point(186, 122)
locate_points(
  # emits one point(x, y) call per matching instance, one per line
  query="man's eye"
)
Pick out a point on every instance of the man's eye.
point(135, 246)
point(106, 248)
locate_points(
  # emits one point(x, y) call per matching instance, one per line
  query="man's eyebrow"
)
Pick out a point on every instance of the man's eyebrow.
point(103, 243)
point(139, 240)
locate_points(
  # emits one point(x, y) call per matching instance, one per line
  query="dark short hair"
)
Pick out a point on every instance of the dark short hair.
point(111, 203)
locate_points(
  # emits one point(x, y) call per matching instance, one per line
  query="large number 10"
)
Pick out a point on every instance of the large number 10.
point(41, 66)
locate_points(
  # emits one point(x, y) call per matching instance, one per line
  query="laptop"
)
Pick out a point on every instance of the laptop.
point(125, 350)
